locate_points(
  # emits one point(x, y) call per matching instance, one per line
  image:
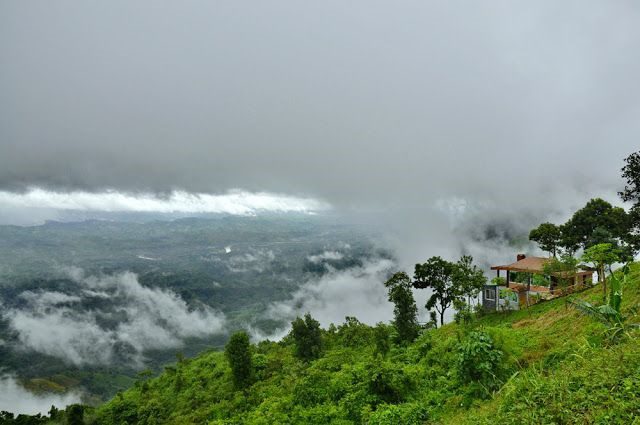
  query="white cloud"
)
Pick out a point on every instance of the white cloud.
point(326, 255)
point(233, 202)
point(16, 399)
point(358, 292)
point(141, 318)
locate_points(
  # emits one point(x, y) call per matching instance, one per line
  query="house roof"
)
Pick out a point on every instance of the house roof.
point(527, 264)
point(532, 265)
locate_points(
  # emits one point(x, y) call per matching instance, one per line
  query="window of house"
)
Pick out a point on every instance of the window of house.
point(490, 294)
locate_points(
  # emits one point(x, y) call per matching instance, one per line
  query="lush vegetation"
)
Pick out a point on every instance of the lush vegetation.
point(546, 364)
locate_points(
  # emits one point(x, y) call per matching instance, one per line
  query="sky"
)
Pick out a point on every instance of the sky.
point(357, 104)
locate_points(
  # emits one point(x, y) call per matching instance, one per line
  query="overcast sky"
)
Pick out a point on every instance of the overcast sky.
point(359, 103)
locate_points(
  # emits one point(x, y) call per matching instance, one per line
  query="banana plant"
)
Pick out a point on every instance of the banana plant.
point(609, 314)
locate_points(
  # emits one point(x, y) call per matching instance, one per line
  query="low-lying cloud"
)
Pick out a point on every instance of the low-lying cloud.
point(108, 318)
point(17, 399)
point(358, 291)
point(326, 255)
point(232, 202)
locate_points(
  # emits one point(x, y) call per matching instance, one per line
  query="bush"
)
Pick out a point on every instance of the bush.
point(353, 333)
point(478, 360)
point(406, 414)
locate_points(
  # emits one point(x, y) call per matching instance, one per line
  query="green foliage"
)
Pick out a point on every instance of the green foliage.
point(479, 360)
point(75, 414)
point(382, 339)
point(597, 222)
point(450, 283)
point(499, 281)
point(610, 314)
point(238, 354)
point(631, 193)
point(437, 275)
point(307, 337)
point(601, 256)
point(562, 269)
point(631, 174)
point(468, 278)
point(393, 414)
point(405, 310)
point(463, 315)
point(548, 236)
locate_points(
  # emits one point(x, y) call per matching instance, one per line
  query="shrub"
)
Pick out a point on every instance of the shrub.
point(406, 414)
point(478, 359)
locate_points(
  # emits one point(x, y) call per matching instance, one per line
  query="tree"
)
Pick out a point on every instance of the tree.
point(631, 173)
point(468, 278)
point(548, 236)
point(405, 311)
point(238, 354)
point(381, 339)
point(75, 414)
point(437, 275)
point(597, 222)
point(631, 193)
point(601, 256)
point(307, 336)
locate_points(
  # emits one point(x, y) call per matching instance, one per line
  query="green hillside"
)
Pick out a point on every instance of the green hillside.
point(547, 364)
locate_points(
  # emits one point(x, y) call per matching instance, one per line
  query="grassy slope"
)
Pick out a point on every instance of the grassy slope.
point(560, 371)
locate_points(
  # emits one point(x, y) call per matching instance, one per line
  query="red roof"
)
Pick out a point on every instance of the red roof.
point(527, 264)
point(532, 265)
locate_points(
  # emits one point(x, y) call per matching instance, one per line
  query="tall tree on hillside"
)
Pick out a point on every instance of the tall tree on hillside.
point(238, 354)
point(597, 222)
point(601, 256)
point(631, 193)
point(405, 311)
point(307, 336)
point(548, 236)
point(437, 275)
point(468, 277)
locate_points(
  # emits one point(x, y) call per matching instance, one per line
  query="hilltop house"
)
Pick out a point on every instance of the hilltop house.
point(519, 291)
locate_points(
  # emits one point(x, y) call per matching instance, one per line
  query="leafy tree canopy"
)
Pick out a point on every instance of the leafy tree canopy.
point(597, 222)
point(548, 236)
point(468, 278)
point(631, 193)
point(405, 311)
point(631, 174)
point(238, 354)
point(308, 337)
